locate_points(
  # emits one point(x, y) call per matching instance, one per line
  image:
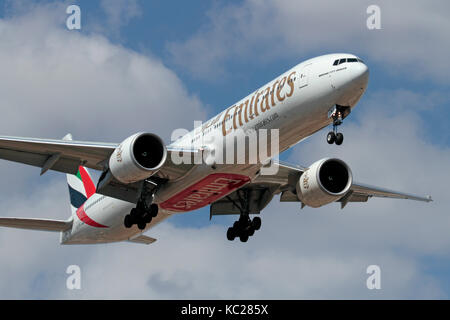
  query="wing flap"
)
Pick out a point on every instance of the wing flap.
point(142, 240)
point(63, 164)
point(36, 224)
point(371, 191)
point(289, 196)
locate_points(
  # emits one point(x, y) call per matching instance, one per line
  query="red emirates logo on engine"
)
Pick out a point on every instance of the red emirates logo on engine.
point(204, 192)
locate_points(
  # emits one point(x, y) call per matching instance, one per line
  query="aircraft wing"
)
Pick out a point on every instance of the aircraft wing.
point(264, 188)
point(67, 155)
point(59, 155)
point(358, 192)
point(289, 174)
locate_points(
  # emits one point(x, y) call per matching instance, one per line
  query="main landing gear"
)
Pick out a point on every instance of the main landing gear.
point(334, 136)
point(141, 215)
point(244, 228)
point(145, 209)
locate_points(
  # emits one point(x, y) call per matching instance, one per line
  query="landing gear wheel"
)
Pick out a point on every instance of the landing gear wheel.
point(148, 218)
point(244, 237)
point(251, 231)
point(128, 222)
point(256, 223)
point(134, 214)
point(331, 137)
point(141, 225)
point(339, 139)
point(153, 210)
point(231, 234)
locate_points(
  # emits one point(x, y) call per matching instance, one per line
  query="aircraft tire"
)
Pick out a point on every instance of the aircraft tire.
point(256, 223)
point(148, 218)
point(339, 139)
point(153, 210)
point(141, 225)
point(331, 137)
point(128, 221)
point(134, 214)
point(231, 234)
point(244, 237)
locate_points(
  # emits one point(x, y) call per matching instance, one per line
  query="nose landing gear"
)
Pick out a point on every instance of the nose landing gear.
point(337, 113)
point(335, 137)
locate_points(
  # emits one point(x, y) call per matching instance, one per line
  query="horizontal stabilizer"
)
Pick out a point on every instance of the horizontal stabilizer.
point(143, 240)
point(35, 224)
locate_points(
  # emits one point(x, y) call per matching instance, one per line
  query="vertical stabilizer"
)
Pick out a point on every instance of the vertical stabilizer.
point(81, 186)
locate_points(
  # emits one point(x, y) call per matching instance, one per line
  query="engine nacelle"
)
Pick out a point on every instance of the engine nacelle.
point(137, 158)
point(323, 182)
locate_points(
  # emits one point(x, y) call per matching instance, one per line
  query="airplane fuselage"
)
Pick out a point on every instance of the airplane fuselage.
point(297, 104)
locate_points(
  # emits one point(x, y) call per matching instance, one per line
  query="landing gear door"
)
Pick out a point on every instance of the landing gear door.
point(345, 111)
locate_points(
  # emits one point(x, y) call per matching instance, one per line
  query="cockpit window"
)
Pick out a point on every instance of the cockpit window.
point(339, 61)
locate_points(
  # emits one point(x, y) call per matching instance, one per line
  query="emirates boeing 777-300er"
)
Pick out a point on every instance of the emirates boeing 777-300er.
point(142, 181)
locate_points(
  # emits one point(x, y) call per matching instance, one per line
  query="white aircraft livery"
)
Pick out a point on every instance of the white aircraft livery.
point(143, 181)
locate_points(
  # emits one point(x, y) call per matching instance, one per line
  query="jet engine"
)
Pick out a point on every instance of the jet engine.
point(137, 158)
point(325, 181)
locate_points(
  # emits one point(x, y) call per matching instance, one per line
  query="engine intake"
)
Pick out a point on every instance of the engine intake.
point(323, 182)
point(137, 158)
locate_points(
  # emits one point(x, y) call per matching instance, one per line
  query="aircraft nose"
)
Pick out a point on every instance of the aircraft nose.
point(361, 74)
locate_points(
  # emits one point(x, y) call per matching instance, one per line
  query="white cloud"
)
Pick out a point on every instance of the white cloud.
point(84, 84)
point(269, 30)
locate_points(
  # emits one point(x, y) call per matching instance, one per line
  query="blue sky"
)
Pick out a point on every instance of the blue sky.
point(160, 23)
point(157, 24)
point(215, 53)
